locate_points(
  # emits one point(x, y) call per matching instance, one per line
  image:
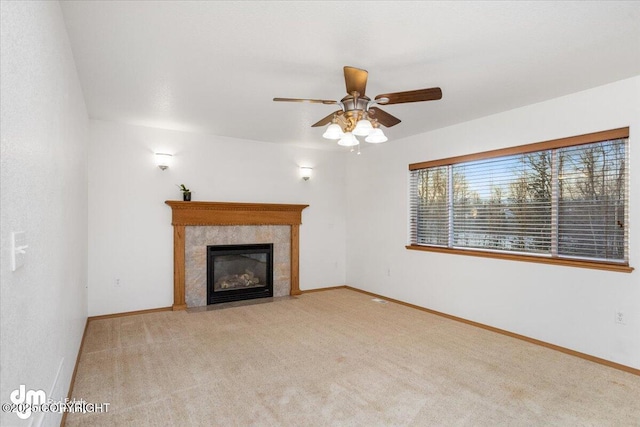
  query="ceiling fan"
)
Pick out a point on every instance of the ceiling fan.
point(358, 114)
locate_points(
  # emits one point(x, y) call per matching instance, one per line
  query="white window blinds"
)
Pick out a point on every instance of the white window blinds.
point(592, 201)
point(430, 206)
point(566, 202)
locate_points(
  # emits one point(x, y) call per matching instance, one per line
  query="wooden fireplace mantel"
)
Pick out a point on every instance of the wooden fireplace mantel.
point(225, 213)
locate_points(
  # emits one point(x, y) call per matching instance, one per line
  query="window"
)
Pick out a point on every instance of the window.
point(561, 202)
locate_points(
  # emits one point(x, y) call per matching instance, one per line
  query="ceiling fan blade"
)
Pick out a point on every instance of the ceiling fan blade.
point(431, 94)
point(383, 117)
point(313, 101)
point(356, 80)
point(326, 120)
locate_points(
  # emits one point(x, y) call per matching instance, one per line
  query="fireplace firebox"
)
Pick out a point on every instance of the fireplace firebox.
point(239, 272)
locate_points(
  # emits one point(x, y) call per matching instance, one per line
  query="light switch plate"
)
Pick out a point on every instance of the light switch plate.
point(18, 249)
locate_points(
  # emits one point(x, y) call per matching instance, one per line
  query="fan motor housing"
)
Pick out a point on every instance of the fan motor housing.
point(355, 104)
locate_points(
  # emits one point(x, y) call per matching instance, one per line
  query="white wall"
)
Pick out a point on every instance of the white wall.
point(130, 233)
point(43, 192)
point(570, 307)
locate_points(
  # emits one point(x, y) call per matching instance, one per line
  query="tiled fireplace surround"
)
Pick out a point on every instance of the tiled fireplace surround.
point(199, 224)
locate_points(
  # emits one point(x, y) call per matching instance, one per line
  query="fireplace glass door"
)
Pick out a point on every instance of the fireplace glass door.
point(239, 272)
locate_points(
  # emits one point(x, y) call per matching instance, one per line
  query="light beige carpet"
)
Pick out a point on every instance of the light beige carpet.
point(336, 358)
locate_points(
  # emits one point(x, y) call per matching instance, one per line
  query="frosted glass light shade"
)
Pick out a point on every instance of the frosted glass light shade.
point(163, 160)
point(376, 136)
point(306, 172)
point(334, 131)
point(363, 128)
point(348, 140)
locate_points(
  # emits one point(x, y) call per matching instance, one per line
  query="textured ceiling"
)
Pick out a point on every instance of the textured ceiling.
point(214, 67)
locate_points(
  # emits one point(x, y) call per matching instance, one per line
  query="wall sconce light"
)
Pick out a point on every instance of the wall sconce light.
point(306, 172)
point(163, 160)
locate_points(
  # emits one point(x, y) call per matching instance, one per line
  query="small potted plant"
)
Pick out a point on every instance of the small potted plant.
point(186, 193)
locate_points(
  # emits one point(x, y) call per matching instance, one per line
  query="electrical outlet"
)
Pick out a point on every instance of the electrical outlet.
point(620, 318)
point(116, 282)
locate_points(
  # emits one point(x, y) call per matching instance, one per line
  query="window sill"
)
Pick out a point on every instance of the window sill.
point(622, 268)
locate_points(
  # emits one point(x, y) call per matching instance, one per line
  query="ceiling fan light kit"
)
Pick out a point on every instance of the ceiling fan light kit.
point(358, 114)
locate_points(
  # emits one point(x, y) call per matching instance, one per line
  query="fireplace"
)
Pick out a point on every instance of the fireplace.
point(213, 217)
point(239, 272)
